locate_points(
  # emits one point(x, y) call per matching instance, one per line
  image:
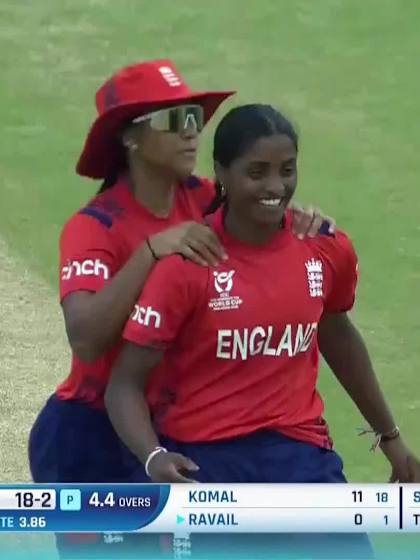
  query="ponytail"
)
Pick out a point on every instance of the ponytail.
point(113, 175)
point(109, 181)
point(218, 200)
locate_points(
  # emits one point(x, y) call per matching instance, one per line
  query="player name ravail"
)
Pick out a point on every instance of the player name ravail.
point(218, 519)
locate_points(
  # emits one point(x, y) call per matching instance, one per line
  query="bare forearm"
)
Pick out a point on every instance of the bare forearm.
point(114, 304)
point(97, 321)
point(129, 413)
point(346, 354)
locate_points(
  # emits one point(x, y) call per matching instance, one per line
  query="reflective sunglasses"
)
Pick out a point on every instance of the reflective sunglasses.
point(175, 119)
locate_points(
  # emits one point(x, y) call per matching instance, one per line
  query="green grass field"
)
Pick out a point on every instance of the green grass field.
point(346, 71)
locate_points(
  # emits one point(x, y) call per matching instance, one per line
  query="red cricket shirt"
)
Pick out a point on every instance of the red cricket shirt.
point(96, 243)
point(240, 341)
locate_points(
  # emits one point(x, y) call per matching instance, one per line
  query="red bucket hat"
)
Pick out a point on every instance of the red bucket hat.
point(130, 93)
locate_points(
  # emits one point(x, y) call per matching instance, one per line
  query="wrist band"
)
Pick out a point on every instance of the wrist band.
point(155, 451)
point(151, 249)
point(393, 434)
point(381, 438)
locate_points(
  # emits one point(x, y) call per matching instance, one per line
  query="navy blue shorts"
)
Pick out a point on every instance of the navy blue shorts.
point(269, 457)
point(71, 442)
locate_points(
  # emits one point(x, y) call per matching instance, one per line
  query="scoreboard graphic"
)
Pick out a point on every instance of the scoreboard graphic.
point(183, 509)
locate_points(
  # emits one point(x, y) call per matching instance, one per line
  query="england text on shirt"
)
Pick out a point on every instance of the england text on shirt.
point(240, 341)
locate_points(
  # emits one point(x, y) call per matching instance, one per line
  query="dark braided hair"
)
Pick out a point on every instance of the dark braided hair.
point(239, 129)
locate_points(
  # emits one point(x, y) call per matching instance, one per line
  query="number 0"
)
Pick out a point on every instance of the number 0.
point(358, 519)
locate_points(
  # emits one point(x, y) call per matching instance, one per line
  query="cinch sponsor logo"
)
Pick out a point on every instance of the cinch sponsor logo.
point(146, 316)
point(243, 343)
point(88, 267)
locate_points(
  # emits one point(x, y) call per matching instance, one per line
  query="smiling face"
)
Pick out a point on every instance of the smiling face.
point(260, 183)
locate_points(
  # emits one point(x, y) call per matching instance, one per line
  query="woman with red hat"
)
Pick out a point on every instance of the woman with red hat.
point(143, 145)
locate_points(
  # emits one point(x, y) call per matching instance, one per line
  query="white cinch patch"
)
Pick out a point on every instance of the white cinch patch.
point(89, 267)
point(146, 316)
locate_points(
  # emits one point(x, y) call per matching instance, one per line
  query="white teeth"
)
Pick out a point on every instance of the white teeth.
point(270, 201)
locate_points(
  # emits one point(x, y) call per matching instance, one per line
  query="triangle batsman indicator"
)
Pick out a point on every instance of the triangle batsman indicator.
point(179, 519)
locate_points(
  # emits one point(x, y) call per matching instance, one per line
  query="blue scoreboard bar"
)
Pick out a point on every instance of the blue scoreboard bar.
point(185, 509)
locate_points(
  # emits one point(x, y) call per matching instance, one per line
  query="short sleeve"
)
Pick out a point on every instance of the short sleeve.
point(168, 300)
point(340, 266)
point(88, 258)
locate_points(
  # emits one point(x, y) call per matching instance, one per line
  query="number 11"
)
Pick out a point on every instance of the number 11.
point(357, 495)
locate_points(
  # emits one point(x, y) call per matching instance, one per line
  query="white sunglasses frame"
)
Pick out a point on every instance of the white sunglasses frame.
point(148, 116)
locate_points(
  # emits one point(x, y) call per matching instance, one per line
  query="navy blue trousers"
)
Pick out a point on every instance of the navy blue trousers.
point(72, 443)
point(266, 457)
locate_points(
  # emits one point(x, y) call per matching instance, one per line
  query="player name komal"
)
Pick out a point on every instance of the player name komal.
point(212, 496)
